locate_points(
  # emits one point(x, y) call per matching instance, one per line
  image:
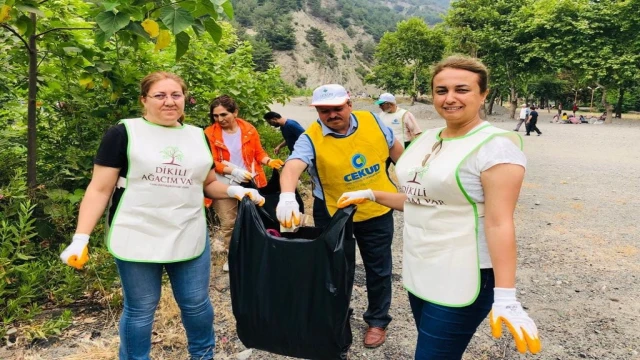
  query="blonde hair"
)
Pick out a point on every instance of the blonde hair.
point(154, 77)
point(463, 63)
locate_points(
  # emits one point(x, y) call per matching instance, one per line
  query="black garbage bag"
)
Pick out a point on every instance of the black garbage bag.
point(271, 194)
point(290, 295)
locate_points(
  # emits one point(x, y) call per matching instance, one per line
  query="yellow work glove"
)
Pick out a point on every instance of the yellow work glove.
point(355, 197)
point(508, 310)
point(77, 253)
point(239, 192)
point(288, 210)
point(275, 163)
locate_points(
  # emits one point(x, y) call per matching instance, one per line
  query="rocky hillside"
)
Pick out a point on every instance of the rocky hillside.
point(328, 41)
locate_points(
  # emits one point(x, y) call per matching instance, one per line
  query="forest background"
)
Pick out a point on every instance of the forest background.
point(71, 68)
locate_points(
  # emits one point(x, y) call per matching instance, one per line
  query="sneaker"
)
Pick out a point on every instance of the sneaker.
point(527, 134)
point(225, 267)
point(539, 134)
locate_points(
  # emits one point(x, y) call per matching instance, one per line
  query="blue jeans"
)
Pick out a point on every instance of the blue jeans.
point(141, 284)
point(374, 238)
point(444, 332)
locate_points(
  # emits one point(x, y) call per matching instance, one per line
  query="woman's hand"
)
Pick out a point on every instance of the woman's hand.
point(508, 310)
point(355, 197)
point(239, 192)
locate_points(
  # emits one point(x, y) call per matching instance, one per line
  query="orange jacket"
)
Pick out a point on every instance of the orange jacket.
point(252, 151)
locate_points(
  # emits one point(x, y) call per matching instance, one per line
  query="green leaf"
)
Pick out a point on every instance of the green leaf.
point(176, 19)
point(108, 5)
point(111, 22)
point(101, 37)
point(29, 9)
point(213, 29)
point(182, 44)
point(24, 257)
point(228, 9)
point(205, 8)
point(72, 50)
point(198, 28)
point(103, 66)
point(24, 25)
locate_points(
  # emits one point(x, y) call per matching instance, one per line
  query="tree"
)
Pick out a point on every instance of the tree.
point(135, 21)
point(414, 46)
point(490, 31)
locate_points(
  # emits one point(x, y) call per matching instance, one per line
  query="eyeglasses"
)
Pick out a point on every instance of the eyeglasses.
point(162, 97)
point(434, 150)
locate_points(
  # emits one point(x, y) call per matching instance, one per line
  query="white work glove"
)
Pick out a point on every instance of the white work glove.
point(77, 253)
point(239, 192)
point(508, 310)
point(355, 197)
point(240, 175)
point(288, 210)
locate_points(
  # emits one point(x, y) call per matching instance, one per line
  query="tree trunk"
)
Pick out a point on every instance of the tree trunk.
point(31, 109)
point(619, 105)
point(492, 100)
point(414, 96)
point(513, 104)
point(608, 107)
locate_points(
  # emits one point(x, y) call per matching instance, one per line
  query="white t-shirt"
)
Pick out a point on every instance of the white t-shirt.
point(233, 142)
point(499, 150)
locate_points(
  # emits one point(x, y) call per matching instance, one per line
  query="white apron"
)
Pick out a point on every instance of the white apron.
point(395, 122)
point(440, 250)
point(160, 217)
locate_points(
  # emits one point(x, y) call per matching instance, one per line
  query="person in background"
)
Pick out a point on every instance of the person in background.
point(575, 108)
point(532, 122)
point(460, 185)
point(152, 171)
point(402, 122)
point(342, 150)
point(238, 153)
point(524, 114)
point(290, 129)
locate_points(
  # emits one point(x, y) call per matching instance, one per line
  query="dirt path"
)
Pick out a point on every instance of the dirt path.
point(579, 258)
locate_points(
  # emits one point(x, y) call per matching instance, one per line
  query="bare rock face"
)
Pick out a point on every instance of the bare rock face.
point(301, 62)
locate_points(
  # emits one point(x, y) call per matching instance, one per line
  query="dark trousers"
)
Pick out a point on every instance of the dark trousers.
point(444, 332)
point(374, 238)
point(531, 126)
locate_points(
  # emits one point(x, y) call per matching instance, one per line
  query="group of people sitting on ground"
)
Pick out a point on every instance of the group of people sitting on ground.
point(573, 119)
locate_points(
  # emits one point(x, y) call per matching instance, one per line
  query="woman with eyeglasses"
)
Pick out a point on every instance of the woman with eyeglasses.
point(154, 172)
point(237, 149)
point(459, 188)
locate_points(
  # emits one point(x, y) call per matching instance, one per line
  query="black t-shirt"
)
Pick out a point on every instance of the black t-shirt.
point(534, 115)
point(112, 152)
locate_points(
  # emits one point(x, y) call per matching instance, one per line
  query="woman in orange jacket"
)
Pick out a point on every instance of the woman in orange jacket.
point(238, 155)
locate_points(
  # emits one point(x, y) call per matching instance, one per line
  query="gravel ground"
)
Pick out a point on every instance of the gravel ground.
point(579, 264)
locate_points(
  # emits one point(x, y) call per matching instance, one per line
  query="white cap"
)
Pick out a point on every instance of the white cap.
point(386, 98)
point(524, 105)
point(329, 95)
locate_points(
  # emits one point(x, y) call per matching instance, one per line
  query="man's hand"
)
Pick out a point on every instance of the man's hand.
point(288, 210)
point(239, 192)
point(275, 164)
point(276, 150)
point(355, 197)
point(508, 310)
point(77, 253)
point(240, 176)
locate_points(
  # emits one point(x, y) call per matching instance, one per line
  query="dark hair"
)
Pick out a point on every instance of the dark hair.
point(154, 77)
point(533, 107)
point(464, 63)
point(271, 115)
point(226, 102)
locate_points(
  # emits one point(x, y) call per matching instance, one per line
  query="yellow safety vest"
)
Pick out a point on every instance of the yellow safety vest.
point(354, 162)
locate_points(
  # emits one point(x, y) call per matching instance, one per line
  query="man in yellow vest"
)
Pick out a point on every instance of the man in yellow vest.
point(346, 150)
